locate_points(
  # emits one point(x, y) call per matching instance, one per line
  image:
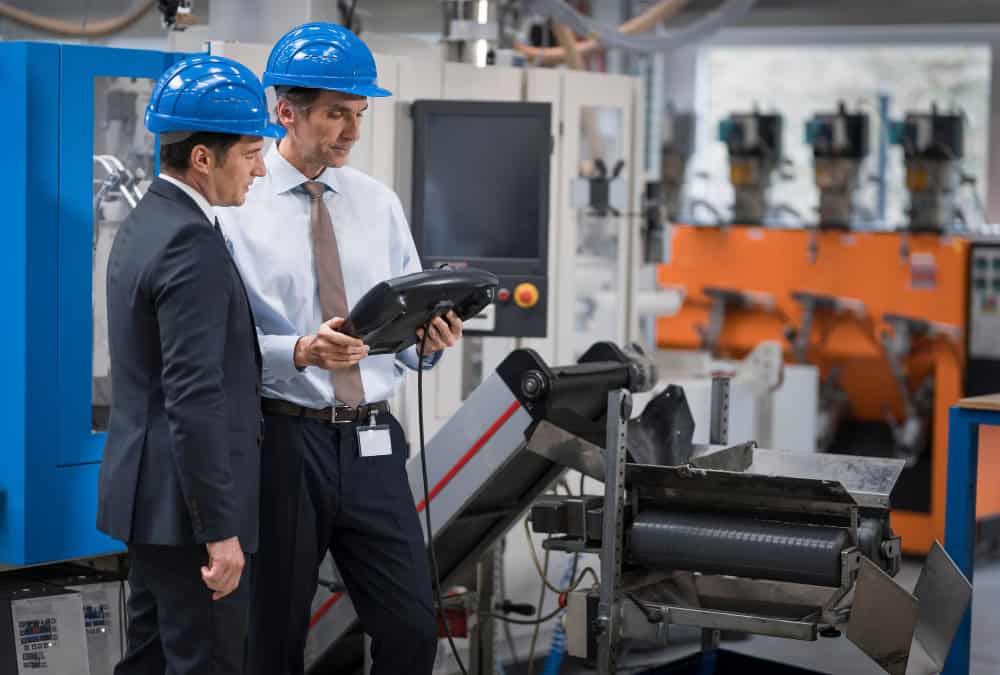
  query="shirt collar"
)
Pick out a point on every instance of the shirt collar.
point(285, 177)
point(194, 194)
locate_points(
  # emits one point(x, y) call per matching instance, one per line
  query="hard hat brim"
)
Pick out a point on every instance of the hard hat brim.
point(328, 83)
point(157, 124)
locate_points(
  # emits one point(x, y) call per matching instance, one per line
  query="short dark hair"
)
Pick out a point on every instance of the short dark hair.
point(177, 156)
point(300, 97)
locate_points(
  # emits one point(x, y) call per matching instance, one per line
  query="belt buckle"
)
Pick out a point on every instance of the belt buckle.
point(333, 415)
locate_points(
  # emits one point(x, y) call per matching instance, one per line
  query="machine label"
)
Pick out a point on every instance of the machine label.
point(923, 271)
point(50, 635)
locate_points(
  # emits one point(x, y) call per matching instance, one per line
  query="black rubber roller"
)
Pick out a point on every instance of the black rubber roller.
point(741, 547)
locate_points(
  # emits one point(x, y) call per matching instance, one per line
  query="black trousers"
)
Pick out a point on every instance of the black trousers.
point(317, 495)
point(175, 628)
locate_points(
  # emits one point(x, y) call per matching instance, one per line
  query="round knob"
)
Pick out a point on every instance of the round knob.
point(526, 295)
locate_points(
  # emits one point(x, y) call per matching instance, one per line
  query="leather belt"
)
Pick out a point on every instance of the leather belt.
point(341, 414)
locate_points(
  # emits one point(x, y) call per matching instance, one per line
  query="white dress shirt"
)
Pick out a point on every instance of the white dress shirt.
point(272, 244)
point(191, 192)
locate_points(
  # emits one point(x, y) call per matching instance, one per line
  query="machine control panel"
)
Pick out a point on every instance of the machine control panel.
point(520, 309)
point(984, 302)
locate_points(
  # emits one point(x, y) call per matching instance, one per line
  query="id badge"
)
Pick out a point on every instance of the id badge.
point(374, 440)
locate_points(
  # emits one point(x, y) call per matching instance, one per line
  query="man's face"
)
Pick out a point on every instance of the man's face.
point(231, 178)
point(325, 132)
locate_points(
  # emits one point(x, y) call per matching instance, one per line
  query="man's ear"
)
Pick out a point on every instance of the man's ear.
point(286, 113)
point(201, 159)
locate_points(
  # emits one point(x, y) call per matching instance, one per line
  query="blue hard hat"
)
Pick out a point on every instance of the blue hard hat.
point(323, 56)
point(210, 93)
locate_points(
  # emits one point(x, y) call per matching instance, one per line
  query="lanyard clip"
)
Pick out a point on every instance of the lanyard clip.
point(371, 417)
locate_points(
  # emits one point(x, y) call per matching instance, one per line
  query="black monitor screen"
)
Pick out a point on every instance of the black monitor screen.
point(481, 174)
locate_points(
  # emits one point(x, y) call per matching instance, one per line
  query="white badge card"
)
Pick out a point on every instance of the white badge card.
point(374, 440)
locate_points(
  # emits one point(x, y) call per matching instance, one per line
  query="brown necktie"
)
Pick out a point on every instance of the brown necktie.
point(330, 280)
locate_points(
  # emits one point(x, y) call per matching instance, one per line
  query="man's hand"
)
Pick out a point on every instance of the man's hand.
point(225, 565)
point(329, 348)
point(442, 334)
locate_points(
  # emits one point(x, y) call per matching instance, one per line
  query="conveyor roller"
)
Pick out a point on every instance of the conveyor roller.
point(744, 547)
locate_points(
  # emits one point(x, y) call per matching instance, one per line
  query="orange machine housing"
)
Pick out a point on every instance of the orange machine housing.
point(923, 276)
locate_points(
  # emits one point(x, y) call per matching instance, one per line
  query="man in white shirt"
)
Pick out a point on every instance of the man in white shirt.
point(312, 238)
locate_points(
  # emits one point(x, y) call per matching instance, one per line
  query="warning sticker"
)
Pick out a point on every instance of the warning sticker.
point(923, 271)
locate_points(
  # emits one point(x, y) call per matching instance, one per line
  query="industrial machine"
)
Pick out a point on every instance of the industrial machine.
point(787, 544)
point(933, 148)
point(78, 158)
point(492, 214)
point(887, 317)
point(754, 143)
point(840, 144)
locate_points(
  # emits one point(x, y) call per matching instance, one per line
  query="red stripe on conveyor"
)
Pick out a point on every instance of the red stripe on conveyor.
point(476, 447)
point(440, 485)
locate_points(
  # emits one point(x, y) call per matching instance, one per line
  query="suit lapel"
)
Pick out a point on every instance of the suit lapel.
point(173, 193)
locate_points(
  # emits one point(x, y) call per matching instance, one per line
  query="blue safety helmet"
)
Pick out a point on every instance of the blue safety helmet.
point(323, 56)
point(210, 93)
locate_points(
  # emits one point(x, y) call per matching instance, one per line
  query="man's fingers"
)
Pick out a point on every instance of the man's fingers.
point(455, 323)
point(222, 576)
point(444, 330)
point(342, 353)
point(334, 337)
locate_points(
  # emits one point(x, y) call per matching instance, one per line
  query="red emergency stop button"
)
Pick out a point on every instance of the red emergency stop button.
point(503, 295)
point(526, 295)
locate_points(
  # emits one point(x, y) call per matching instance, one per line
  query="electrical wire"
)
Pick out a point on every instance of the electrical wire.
point(543, 575)
point(427, 498)
point(525, 622)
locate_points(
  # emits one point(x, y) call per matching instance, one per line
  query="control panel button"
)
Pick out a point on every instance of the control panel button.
point(979, 283)
point(981, 263)
point(503, 295)
point(526, 295)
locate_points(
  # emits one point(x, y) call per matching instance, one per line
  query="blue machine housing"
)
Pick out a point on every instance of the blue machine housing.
point(49, 463)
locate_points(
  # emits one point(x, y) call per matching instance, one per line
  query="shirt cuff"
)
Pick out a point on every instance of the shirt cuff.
point(408, 357)
point(278, 354)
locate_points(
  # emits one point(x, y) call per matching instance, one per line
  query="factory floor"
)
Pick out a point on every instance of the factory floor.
point(838, 656)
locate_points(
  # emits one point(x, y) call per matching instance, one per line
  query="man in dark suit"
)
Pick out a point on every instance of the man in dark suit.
point(180, 480)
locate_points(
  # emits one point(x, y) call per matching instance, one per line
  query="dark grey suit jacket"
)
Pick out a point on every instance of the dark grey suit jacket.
point(181, 463)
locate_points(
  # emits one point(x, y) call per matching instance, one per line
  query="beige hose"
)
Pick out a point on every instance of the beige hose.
point(588, 116)
point(549, 56)
point(95, 29)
